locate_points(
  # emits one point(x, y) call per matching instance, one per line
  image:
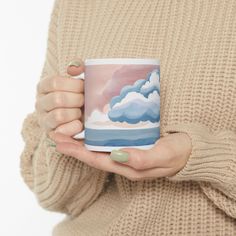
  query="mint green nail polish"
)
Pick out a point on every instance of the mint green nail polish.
point(52, 145)
point(74, 63)
point(120, 156)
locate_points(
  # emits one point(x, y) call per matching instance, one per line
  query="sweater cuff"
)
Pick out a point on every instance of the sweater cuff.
point(212, 157)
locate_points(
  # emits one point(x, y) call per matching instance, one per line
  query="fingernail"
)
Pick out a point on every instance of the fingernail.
point(120, 156)
point(74, 63)
point(52, 145)
point(50, 142)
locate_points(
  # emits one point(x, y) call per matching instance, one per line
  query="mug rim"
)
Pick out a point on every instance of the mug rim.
point(133, 61)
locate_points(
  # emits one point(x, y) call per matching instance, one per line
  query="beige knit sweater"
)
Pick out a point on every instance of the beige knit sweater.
point(196, 43)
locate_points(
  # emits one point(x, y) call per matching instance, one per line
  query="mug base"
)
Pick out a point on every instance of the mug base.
point(109, 148)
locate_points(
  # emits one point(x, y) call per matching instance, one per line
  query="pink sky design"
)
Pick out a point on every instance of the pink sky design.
point(106, 81)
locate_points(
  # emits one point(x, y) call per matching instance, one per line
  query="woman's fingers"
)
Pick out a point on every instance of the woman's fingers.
point(60, 99)
point(70, 129)
point(53, 119)
point(75, 67)
point(58, 83)
point(102, 161)
point(171, 151)
point(62, 138)
point(98, 160)
point(160, 155)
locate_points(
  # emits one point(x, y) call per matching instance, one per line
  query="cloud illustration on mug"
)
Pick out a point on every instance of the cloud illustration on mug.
point(138, 102)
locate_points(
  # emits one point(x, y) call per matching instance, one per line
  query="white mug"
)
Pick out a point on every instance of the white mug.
point(122, 103)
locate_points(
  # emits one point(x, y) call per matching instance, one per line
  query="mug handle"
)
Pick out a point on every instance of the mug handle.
point(80, 135)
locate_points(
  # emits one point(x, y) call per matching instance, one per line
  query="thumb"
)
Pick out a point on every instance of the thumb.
point(138, 158)
point(133, 157)
point(75, 67)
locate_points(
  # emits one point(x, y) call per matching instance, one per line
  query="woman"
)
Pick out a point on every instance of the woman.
point(185, 185)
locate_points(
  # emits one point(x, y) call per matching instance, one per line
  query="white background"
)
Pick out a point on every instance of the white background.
point(23, 35)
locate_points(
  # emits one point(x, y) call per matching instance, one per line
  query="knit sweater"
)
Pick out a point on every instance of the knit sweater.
point(195, 41)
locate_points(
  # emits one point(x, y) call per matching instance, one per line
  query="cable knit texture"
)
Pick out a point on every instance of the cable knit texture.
point(195, 41)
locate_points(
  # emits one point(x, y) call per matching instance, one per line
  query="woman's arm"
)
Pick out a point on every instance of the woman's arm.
point(60, 183)
point(212, 163)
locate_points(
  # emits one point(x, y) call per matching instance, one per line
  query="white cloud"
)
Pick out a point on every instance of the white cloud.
point(152, 82)
point(134, 96)
point(131, 97)
point(154, 97)
point(99, 120)
point(97, 115)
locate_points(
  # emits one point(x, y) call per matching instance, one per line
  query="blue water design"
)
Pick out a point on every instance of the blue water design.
point(113, 137)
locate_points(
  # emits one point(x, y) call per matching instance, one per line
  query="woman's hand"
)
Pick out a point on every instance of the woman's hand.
point(168, 156)
point(60, 100)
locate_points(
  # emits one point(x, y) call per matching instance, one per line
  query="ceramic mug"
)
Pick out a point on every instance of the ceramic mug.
point(122, 103)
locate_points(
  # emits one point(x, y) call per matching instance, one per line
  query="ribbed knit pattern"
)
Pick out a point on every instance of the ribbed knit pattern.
point(195, 41)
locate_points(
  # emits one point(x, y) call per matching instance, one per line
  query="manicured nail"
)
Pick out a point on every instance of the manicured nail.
point(120, 156)
point(50, 142)
point(74, 63)
point(52, 145)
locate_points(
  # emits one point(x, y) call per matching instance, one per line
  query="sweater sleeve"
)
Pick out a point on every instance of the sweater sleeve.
point(212, 163)
point(59, 182)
